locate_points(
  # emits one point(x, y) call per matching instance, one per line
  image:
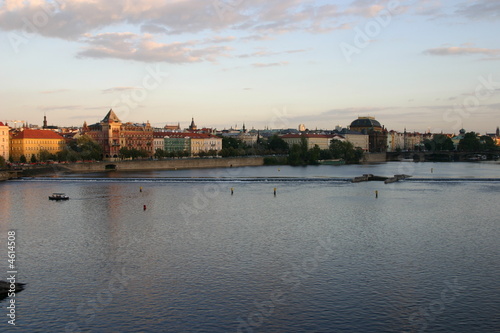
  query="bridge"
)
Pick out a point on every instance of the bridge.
point(443, 156)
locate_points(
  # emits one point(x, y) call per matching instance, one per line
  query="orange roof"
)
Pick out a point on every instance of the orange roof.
point(37, 134)
point(191, 135)
point(1, 124)
point(296, 136)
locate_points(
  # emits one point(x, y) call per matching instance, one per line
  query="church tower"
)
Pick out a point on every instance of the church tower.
point(193, 126)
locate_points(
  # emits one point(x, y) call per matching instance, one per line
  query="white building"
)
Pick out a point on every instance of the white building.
point(395, 141)
point(4, 141)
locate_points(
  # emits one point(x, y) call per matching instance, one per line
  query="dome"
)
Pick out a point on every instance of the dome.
point(366, 122)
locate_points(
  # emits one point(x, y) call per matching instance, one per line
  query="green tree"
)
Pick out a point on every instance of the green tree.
point(23, 159)
point(33, 158)
point(87, 148)
point(313, 155)
point(228, 142)
point(487, 143)
point(277, 145)
point(159, 153)
point(2, 162)
point(439, 142)
point(44, 155)
point(346, 151)
point(470, 142)
point(11, 159)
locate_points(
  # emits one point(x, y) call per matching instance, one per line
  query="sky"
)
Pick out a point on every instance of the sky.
point(423, 65)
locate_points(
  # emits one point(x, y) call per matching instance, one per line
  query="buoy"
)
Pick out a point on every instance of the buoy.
point(376, 194)
point(232, 191)
point(140, 189)
point(144, 207)
point(275, 191)
point(279, 170)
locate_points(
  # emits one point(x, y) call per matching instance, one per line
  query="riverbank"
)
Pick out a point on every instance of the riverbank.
point(6, 175)
point(143, 165)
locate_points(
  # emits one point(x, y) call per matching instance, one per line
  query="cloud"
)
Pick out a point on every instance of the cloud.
point(264, 53)
point(130, 46)
point(118, 89)
point(455, 50)
point(480, 10)
point(273, 64)
point(70, 19)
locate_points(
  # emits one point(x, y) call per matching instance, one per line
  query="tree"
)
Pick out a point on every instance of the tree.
point(228, 142)
point(439, 142)
point(346, 151)
point(159, 153)
point(23, 159)
point(2, 162)
point(44, 155)
point(88, 148)
point(33, 158)
point(487, 143)
point(277, 145)
point(11, 159)
point(470, 142)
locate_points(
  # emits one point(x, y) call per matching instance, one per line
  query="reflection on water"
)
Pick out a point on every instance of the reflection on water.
point(320, 256)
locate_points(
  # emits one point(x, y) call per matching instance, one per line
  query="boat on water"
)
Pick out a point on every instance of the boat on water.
point(58, 196)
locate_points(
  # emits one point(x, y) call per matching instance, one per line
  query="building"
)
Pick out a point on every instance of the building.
point(495, 136)
point(29, 142)
point(377, 134)
point(137, 136)
point(358, 139)
point(172, 128)
point(194, 143)
point(159, 140)
point(112, 135)
point(456, 138)
point(395, 141)
point(193, 126)
point(321, 140)
point(4, 141)
point(176, 142)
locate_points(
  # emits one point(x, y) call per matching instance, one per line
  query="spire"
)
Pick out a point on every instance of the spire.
point(111, 117)
point(192, 127)
point(44, 121)
point(498, 131)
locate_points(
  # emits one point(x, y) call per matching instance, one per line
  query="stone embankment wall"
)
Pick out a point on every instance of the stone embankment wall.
point(374, 158)
point(6, 175)
point(160, 165)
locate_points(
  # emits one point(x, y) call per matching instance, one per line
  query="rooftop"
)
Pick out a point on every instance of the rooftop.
point(37, 134)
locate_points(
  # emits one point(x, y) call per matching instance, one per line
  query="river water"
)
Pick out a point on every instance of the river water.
point(322, 255)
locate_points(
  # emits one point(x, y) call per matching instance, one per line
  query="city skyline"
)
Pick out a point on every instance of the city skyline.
point(421, 65)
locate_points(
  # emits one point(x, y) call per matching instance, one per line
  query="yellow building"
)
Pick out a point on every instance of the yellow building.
point(4, 141)
point(30, 142)
point(320, 140)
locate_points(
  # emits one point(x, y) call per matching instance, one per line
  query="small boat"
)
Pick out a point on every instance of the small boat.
point(6, 286)
point(58, 196)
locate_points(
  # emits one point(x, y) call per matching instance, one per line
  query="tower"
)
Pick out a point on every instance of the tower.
point(44, 121)
point(192, 127)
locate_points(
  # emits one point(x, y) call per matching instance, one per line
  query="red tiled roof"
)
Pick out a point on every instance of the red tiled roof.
point(1, 124)
point(37, 134)
point(191, 135)
point(161, 134)
point(306, 136)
